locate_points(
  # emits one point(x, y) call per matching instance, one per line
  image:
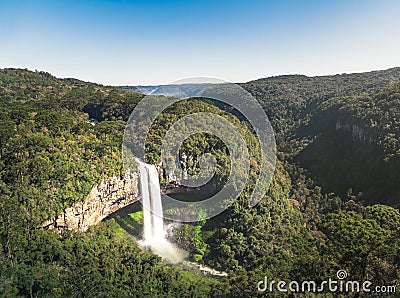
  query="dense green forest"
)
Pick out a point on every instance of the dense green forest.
point(50, 158)
point(313, 221)
point(305, 112)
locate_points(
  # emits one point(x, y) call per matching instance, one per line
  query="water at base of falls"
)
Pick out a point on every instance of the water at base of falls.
point(153, 222)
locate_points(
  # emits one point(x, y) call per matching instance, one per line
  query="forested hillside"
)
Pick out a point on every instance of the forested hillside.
point(50, 158)
point(43, 90)
point(343, 129)
point(311, 222)
point(291, 100)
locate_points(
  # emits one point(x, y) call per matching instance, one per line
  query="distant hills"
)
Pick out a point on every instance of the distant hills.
point(171, 89)
point(142, 89)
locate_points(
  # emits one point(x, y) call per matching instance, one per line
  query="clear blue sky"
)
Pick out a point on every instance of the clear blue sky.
point(152, 42)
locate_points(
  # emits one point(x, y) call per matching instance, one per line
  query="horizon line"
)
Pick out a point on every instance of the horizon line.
point(209, 77)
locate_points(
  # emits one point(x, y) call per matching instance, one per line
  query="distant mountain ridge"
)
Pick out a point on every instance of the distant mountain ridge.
point(142, 89)
point(169, 89)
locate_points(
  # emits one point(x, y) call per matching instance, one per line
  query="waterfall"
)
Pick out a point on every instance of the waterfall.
point(153, 222)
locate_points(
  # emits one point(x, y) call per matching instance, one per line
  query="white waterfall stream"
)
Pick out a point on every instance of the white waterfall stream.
point(153, 222)
point(153, 225)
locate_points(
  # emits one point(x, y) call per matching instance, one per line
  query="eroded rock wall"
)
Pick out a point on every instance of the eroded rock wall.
point(105, 198)
point(358, 133)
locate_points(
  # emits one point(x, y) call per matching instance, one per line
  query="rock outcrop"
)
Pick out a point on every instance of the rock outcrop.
point(107, 197)
point(358, 133)
point(185, 161)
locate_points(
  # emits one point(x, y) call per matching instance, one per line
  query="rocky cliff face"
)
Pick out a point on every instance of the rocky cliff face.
point(358, 133)
point(107, 197)
point(185, 161)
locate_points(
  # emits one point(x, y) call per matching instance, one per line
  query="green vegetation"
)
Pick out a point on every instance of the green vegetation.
point(290, 101)
point(303, 228)
point(96, 264)
point(352, 144)
point(137, 217)
point(50, 158)
point(305, 111)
